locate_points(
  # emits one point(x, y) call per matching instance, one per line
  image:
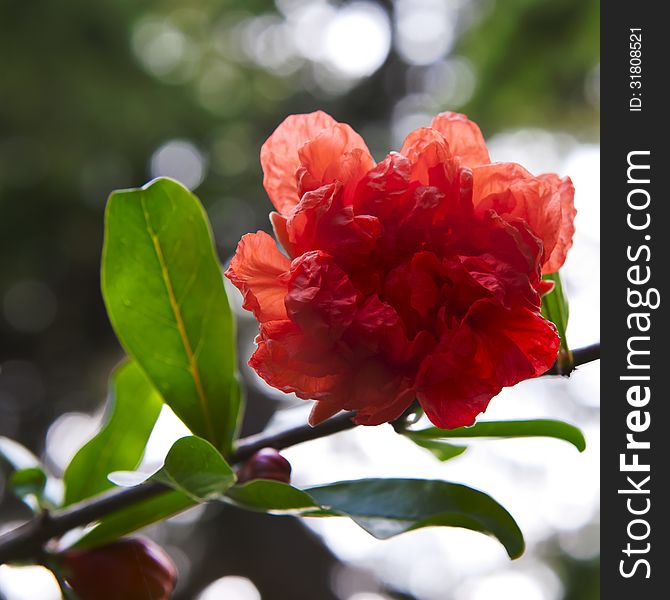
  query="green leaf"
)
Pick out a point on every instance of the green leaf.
point(135, 517)
point(29, 477)
point(271, 496)
point(509, 429)
point(388, 507)
point(555, 308)
point(28, 482)
point(134, 408)
point(164, 293)
point(197, 472)
point(196, 468)
point(442, 450)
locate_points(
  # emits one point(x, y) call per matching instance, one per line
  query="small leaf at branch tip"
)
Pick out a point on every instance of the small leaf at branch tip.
point(196, 468)
point(28, 482)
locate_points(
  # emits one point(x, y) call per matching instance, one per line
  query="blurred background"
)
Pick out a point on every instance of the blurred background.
point(95, 97)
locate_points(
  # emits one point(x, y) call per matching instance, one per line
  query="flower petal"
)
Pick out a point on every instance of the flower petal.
point(321, 299)
point(566, 193)
point(545, 203)
point(464, 138)
point(322, 221)
point(279, 156)
point(491, 349)
point(338, 153)
point(256, 270)
point(381, 190)
point(288, 361)
point(432, 161)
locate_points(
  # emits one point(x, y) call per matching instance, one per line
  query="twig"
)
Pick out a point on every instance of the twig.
point(580, 356)
point(27, 541)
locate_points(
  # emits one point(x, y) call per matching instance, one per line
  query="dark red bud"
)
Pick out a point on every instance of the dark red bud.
point(267, 463)
point(131, 568)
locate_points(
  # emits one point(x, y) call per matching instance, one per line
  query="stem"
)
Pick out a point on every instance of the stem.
point(27, 540)
point(580, 356)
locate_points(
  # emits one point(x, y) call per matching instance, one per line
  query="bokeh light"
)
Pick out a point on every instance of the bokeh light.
point(180, 160)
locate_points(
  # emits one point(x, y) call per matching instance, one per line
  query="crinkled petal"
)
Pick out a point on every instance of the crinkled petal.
point(320, 299)
point(380, 192)
point(545, 203)
point(566, 193)
point(279, 156)
point(336, 154)
point(288, 361)
point(256, 270)
point(464, 138)
point(432, 161)
point(491, 349)
point(323, 221)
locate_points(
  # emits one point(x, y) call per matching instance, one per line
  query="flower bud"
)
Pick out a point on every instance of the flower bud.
point(130, 568)
point(267, 463)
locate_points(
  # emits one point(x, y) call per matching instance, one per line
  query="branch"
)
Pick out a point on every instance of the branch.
point(27, 540)
point(580, 356)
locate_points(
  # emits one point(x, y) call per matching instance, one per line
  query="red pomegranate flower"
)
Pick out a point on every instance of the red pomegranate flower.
point(415, 278)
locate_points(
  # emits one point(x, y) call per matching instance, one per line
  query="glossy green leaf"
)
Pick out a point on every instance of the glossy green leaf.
point(442, 450)
point(196, 471)
point(164, 293)
point(388, 507)
point(29, 481)
point(133, 410)
point(265, 495)
point(196, 468)
point(136, 517)
point(509, 429)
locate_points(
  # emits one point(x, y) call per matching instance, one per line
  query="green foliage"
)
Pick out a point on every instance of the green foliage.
point(555, 308)
point(28, 477)
point(388, 507)
point(196, 468)
point(134, 408)
point(164, 293)
point(265, 495)
point(534, 59)
point(28, 482)
point(442, 450)
point(136, 517)
point(507, 429)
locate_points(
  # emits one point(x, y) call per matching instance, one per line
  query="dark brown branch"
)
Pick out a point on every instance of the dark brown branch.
point(26, 542)
point(580, 356)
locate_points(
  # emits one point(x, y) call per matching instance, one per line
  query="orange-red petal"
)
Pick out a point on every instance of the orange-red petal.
point(464, 138)
point(292, 364)
point(566, 193)
point(545, 203)
point(279, 156)
point(256, 270)
point(338, 153)
point(493, 349)
point(428, 152)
